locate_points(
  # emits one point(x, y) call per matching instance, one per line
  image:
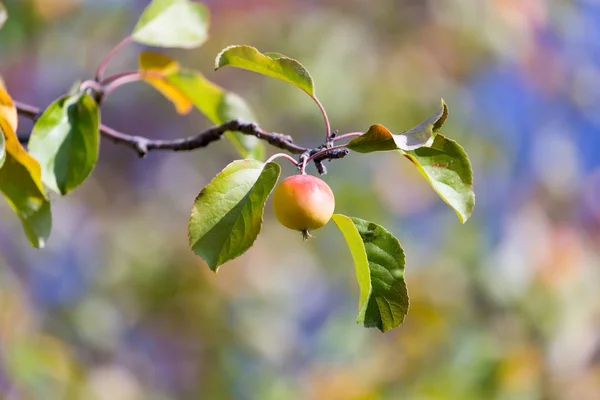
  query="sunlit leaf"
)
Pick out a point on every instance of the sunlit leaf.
point(227, 214)
point(442, 161)
point(161, 66)
point(448, 169)
point(21, 184)
point(173, 23)
point(158, 63)
point(65, 141)
point(379, 138)
point(379, 261)
point(271, 64)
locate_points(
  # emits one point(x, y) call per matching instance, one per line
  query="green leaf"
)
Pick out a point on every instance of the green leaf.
point(271, 64)
point(379, 262)
point(442, 161)
point(65, 141)
point(219, 106)
point(21, 184)
point(448, 169)
point(3, 15)
point(172, 23)
point(227, 214)
point(379, 138)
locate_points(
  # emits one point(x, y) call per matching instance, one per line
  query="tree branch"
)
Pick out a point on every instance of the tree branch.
point(143, 145)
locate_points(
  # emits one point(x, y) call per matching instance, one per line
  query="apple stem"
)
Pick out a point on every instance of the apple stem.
point(306, 235)
point(304, 159)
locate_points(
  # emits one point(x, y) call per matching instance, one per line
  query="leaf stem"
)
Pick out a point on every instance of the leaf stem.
point(347, 136)
point(282, 155)
point(119, 75)
point(104, 63)
point(327, 124)
point(111, 85)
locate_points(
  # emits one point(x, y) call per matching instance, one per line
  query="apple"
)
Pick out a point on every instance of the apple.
point(303, 203)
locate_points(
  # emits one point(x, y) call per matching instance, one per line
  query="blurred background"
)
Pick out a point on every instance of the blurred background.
point(505, 307)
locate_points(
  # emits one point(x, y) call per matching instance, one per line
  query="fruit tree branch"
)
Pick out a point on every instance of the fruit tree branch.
point(143, 145)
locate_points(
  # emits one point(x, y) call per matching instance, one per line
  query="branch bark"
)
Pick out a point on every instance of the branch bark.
point(142, 145)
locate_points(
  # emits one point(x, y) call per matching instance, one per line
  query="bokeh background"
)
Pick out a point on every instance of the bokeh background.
point(505, 307)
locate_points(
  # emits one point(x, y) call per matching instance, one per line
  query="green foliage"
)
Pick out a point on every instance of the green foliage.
point(65, 141)
point(172, 23)
point(227, 214)
point(448, 169)
point(441, 161)
point(21, 184)
point(378, 138)
point(187, 88)
point(379, 262)
point(270, 64)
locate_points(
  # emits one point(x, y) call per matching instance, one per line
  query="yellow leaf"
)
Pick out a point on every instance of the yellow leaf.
point(21, 184)
point(158, 62)
point(8, 110)
point(18, 153)
point(159, 67)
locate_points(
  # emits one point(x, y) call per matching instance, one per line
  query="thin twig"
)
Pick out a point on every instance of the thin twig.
point(26, 110)
point(323, 154)
point(143, 145)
